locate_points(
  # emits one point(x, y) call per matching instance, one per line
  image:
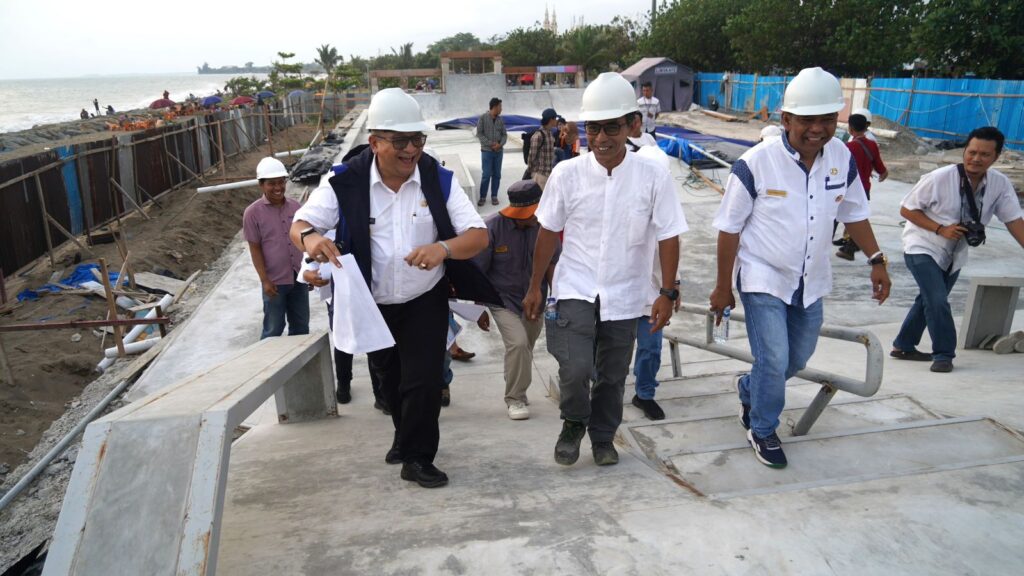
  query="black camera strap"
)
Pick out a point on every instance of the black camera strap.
point(965, 190)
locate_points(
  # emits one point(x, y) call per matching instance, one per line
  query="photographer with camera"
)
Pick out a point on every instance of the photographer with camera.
point(946, 212)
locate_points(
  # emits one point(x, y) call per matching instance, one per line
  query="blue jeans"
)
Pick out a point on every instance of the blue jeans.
point(782, 338)
point(931, 309)
point(491, 164)
point(648, 358)
point(291, 302)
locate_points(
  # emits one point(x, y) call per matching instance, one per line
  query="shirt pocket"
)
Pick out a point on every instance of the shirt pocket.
point(833, 184)
point(639, 222)
point(423, 230)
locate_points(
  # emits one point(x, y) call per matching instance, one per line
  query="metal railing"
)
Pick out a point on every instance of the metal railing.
point(831, 382)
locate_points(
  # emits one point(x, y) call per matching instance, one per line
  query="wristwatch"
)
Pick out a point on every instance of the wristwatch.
point(672, 294)
point(303, 234)
point(878, 258)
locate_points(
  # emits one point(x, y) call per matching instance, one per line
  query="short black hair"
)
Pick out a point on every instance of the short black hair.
point(858, 122)
point(988, 133)
point(646, 85)
point(494, 102)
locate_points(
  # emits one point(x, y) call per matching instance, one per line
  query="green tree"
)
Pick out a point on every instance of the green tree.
point(589, 46)
point(528, 47)
point(691, 32)
point(780, 36)
point(327, 58)
point(283, 75)
point(959, 36)
point(461, 42)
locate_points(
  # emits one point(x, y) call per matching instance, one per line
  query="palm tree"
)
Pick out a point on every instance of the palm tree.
point(328, 58)
point(587, 46)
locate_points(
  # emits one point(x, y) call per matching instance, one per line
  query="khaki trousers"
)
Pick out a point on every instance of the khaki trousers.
point(541, 180)
point(519, 335)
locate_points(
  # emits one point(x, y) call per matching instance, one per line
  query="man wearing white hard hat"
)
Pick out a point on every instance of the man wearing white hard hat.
point(867, 116)
point(410, 228)
point(613, 208)
point(266, 224)
point(774, 239)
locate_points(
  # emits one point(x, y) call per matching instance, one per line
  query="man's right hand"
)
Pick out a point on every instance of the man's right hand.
point(532, 304)
point(321, 249)
point(269, 289)
point(952, 231)
point(721, 298)
point(313, 277)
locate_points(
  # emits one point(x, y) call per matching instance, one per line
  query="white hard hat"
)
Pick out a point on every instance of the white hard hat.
point(770, 132)
point(393, 109)
point(270, 168)
point(813, 92)
point(656, 154)
point(863, 112)
point(608, 96)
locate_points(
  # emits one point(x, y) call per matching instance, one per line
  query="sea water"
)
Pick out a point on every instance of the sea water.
point(26, 103)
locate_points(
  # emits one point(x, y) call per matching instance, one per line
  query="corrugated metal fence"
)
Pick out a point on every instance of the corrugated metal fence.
point(944, 108)
point(48, 197)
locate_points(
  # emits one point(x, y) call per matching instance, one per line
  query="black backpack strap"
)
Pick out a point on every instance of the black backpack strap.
point(866, 150)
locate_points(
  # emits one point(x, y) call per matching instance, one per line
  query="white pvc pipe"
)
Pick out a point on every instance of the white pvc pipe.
point(290, 153)
point(231, 186)
point(133, 347)
point(130, 337)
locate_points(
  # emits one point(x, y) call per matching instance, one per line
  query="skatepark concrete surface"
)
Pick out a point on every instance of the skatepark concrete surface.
point(927, 477)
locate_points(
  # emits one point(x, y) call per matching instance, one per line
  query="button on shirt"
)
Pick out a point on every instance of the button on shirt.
point(400, 221)
point(611, 226)
point(268, 225)
point(937, 194)
point(784, 214)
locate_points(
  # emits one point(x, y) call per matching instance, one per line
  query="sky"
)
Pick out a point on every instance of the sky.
point(61, 38)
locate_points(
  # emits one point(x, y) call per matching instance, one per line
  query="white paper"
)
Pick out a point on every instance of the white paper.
point(358, 325)
point(325, 274)
point(467, 310)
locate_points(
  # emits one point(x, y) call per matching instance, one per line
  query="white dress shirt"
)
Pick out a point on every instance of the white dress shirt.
point(937, 194)
point(611, 226)
point(647, 106)
point(784, 216)
point(400, 221)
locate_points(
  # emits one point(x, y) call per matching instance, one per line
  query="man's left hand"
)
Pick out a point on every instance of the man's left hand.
point(426, 257)
point(661, 313)
point(880, 283)
point(484, 322)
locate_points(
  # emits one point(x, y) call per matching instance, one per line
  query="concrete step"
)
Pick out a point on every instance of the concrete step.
point(667, 438)
point(705, 403)
point(850, 457)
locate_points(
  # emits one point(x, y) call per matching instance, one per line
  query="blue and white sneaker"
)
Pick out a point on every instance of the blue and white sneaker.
point(767, 450)
point(744, 408)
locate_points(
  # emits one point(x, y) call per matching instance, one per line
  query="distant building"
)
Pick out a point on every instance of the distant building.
point(551, 24)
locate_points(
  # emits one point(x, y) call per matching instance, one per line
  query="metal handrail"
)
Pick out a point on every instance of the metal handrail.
point(831, 382)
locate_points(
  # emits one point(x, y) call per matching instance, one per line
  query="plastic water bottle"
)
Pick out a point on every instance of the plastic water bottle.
point(551, 309)
point(721, 332)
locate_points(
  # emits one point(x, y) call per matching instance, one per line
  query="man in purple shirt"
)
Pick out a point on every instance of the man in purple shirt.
point(266, 223)
point(508, 262)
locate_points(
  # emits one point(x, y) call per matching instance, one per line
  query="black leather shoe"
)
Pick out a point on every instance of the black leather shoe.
point(382, 406)
point(424, 473)
point(393, 456)
point(446, 396)
point(650, 408)
point(344, 393)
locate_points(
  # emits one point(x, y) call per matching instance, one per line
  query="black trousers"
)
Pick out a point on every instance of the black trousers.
point(410, 371)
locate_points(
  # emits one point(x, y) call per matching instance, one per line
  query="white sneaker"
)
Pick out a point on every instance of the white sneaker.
point(518, 411)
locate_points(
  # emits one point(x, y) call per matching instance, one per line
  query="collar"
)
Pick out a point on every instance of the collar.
point(595, 165)
point(263, 200)
point(376, 179)
point(795, 154)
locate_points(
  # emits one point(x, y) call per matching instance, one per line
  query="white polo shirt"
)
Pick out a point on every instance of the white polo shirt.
point(400, 221)
point(611, 226)
point(784, 216)
point(648, 106)
point(937, 194)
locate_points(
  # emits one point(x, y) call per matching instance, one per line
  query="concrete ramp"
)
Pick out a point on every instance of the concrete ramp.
point(468, 95)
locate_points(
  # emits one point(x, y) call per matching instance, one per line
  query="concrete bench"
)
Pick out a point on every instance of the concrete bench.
point(147, 491)
point(991, 303)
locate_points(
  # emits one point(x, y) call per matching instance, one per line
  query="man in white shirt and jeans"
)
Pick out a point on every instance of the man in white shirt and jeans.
point(649, 107)
point(775, 237)
point(613, 209)
point(935, 240)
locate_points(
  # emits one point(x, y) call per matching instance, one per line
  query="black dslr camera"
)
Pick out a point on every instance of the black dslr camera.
point(975, 235)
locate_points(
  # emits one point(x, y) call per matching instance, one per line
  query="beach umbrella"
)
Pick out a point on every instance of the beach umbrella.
point(240, 100)
point(161, 103)
point(211, 100)
point(265, 94)
point(296, 93)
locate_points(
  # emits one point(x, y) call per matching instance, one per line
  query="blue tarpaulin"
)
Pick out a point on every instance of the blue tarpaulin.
point(82, 273)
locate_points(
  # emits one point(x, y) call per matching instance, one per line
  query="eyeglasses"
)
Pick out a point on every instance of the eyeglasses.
point(400, 142)
point(610, 128)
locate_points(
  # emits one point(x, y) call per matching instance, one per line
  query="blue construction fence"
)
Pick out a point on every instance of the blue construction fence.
point(943, 108)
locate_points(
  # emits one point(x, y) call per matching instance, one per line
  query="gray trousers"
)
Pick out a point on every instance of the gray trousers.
point(584, 345)
point(519, 335)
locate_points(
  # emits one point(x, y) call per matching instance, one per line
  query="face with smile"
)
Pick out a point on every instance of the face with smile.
point(809, 134)
point(397, 153)
point(979, 156)
point(610, 149)
point(273, 190)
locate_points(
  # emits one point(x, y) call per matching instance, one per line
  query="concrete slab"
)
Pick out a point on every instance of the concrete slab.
point(843, 458)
